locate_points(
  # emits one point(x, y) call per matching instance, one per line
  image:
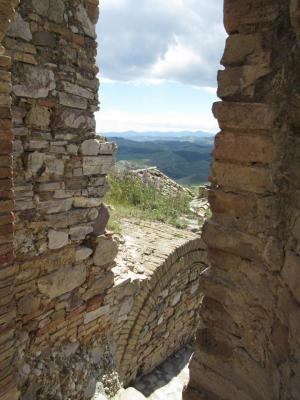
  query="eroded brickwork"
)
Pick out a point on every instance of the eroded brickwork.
point(249, 348)
point(52, 312)
point(156, 295)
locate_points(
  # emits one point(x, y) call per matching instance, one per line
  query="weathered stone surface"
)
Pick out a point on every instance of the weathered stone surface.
point(57, 239)
point(83, 253)
point(37, 83)
point(243, 148)
point(28, 304)
point(256, 116)
point(106, 250)
point(87, 25)
point(53, 9)
point(20, 28)
point(77, 90)
point(35, 162)
point(252, 179)
point(90, 147)
point(70, 100)
point(45, 39)
point(62, 281)
point(38, 117)
point(237, 13)
point(86, 202)
point(97, 165)
point(91, 316)
point(130, 394)
point(75, 119)
point(101, 221)
point(80, 232)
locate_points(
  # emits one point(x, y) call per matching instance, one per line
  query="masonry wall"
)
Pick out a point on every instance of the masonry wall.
point(156, 295)
point(249, 348)
point(56, 259)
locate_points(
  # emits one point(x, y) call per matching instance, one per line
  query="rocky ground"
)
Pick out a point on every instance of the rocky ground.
point(166, 382)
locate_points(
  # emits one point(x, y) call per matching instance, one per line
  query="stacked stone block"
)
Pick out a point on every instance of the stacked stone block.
point(7, 271)
point(249, 346)
point(56, 268)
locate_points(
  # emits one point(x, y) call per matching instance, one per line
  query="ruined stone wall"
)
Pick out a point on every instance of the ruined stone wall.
point(52, 315)
point(249, 348)
point(156, 295)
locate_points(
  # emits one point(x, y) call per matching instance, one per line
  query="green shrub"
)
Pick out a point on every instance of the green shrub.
point(129, 196)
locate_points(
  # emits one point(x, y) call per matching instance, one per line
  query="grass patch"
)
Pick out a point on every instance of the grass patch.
point(129, 196)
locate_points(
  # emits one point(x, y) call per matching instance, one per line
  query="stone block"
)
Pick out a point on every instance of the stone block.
point(77, 90)
point(240, 81)
point(238, 14)
point(93, 315)
point(247, 116)
point(90, 147)
point(36, 83)
point(38, 117)
point(35, 162)
point(106, 250)
point(72, 101)
point(245, 49)
point(62, 281)
point(239, 177)
point(231, 204)
point(19, 28)
point(99, 285)
point(75, 119)
point(97, 165)
point(80, 232)
point(57, 239)
point(87, 25)
point(82, 253)
point(86, 202)
point(28, 304)
point(52, 9)
point(44, 39)
point(243, 148)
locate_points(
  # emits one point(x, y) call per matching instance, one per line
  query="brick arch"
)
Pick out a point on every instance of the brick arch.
point(163, 316)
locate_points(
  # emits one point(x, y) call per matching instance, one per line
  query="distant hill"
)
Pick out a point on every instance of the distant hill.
point(185, 158)
point(151, 135)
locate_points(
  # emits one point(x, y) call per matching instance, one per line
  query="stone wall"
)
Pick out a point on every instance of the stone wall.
point(156, 294)
point(249, 347)
point(53, 318)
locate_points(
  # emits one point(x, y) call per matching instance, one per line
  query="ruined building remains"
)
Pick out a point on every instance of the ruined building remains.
point(59, 291)
point(249, 347)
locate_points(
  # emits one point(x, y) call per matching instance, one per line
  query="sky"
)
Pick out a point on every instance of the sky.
point(158, 63)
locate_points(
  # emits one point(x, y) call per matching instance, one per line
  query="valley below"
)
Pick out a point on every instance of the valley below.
point(183, 156)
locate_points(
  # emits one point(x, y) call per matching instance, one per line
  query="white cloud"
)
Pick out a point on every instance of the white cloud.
point(114, 120)
point(153, 40)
